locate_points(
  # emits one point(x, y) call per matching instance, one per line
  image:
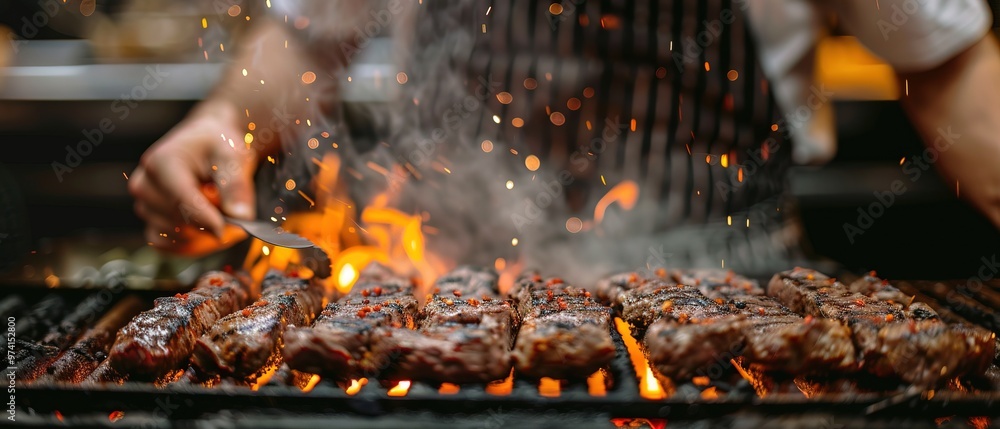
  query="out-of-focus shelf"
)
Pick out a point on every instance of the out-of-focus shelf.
point(855, 183)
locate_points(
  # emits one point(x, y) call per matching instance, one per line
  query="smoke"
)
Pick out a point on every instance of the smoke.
point(445, 148)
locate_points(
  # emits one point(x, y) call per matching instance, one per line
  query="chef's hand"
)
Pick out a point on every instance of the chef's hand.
point(193, 175)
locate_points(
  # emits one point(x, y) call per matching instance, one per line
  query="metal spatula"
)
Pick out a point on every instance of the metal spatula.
point(268, 233)
point(313, 257)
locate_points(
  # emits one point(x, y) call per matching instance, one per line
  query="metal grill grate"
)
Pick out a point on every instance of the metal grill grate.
point(733, 394)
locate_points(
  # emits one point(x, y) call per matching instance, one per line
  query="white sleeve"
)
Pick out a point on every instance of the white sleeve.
point(915, 35)
point(786, 32)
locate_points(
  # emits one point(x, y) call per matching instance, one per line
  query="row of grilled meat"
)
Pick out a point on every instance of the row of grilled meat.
point(803, 323)
point(692, 322)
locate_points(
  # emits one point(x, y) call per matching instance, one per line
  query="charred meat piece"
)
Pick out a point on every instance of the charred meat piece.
point(704, 348)
point(879, 328)
point(467, 282)
point(564, 332)
point(161, 339)
point(442, 310)
point(248, 341)
point(83, 357)
point(464, 335)
point(450, 352)
point(658, 299)
point(778, 339)
point(880, 289)
point(338, 344)
point(685, 334)
point(815, 294)
point(33, 360)
point(610, 289)
point(927, 352)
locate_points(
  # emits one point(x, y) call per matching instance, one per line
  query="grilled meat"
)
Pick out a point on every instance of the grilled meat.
point(83, 357)
point(928, 352)
point(449, 352)
point(663, 299)
point(34, 359)
point(161, 339)
point(610, 289)
point(246, 342)
point(874, 287)
point(338, 344)
point(464, 335)
point(777, 339)
point(718, 283)
point(682, 351)
point(467, 282)
point(878, 330)
point(735, 321)
point(564, 332)
point(442, 310)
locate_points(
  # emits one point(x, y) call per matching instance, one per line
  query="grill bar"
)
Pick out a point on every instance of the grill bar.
point(861, 397)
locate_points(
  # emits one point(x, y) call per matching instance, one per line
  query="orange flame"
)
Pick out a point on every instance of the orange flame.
point(754, 377)
point(448, 389)
point(264, 378)
point(596, 384)
point(313, 381)
point(384, 234)
point(649, 386)
point(625, 194)
point(355, 386)
point(548, 387)
point(400, 389)
point(501, 387)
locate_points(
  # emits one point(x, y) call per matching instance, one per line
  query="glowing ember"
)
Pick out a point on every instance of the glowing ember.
point(501, 387)
point(487, 146)
point(400, 389)
point(532, 162)
point(448, 389)
point(308, 77)
point(264, 378)
point(709, 394)
point(401, 78)
point(548, 387)
point(596, 384)
point(311, 384)
point(504, 97)
point(113, 417)
point(625, 194)
point(558, 118)
point(574, 225)
point(355, 386)
point(510, 184)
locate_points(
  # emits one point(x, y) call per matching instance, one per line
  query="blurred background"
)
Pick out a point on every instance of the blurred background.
point(69, 67)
